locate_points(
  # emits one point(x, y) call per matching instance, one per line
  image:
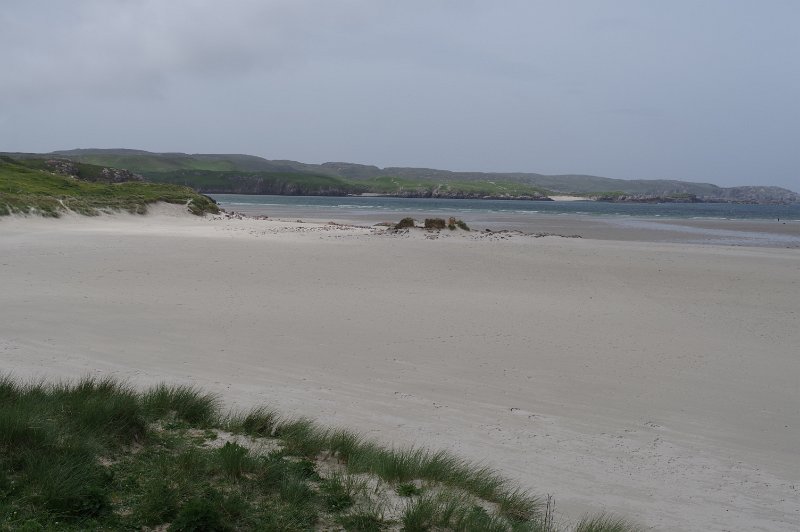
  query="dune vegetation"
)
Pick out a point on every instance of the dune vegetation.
point(98, 454)
point(30, 187)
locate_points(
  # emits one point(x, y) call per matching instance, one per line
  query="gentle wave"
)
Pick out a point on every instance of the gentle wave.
point(699, 211)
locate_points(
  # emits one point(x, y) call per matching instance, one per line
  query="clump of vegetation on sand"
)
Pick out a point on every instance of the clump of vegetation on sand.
point(434, 223)
point(26, 187)
point(452, 224)
point(437, 224)
point(405, 223)
point(98, 455)
point(431, 224)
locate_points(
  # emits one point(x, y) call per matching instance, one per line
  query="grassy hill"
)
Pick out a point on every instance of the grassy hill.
point(251, 182)
point(147, 163)
point(246, 174)
point(31, 186)
point(442, 188)
point(351, 178)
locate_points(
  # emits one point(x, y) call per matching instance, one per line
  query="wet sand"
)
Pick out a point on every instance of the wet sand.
point(762, 233)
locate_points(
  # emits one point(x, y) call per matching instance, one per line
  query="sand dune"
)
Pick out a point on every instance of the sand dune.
point(660, 381)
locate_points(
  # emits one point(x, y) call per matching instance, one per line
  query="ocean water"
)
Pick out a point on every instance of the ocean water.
point(376, 205)
point(697, 223)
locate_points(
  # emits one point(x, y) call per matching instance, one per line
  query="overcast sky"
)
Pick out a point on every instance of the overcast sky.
point(702, 90)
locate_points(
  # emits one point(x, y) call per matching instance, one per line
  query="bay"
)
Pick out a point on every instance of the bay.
point(381, 204)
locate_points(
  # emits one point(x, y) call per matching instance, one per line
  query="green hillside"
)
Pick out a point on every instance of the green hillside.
point(147, 163)
point(244, 182)
point(27, 187)
point(142, 162)
point(293, 183)
point(248, 173)
point(428, 187)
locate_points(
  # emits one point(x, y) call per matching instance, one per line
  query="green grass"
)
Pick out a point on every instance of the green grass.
point(99, 454)
point(408, 489)
point(84, 171)
point(152, 162)
point(426, 187)
point(234, 460)
point(405, 223)
point(450, 511)
point(239, 174)
point(296, 183)
point(605, 523)
point(435, 223)
point(339, 491)
point(27, 189)
point(280, 183)
point(185, 403)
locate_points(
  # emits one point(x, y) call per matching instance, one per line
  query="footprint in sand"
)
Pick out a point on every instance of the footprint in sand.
point(411, 397)
point(520, 412)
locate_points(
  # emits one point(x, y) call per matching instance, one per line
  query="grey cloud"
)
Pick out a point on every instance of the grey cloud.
point(115, 47)
point(633, 89)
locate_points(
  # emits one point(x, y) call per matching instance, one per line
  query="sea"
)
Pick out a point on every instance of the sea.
point(701, 223)
point(382, 204)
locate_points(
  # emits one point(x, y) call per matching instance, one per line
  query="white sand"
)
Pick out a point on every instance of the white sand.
point(659, 381)
point(567, 198)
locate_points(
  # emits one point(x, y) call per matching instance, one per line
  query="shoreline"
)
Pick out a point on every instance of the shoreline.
point(736, 232)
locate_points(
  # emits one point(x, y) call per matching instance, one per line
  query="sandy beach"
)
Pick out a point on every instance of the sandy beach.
point(656, 380)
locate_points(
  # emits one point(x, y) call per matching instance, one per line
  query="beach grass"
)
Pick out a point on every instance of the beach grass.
point(100, 454)
point(605, 523)
point(28, 189)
